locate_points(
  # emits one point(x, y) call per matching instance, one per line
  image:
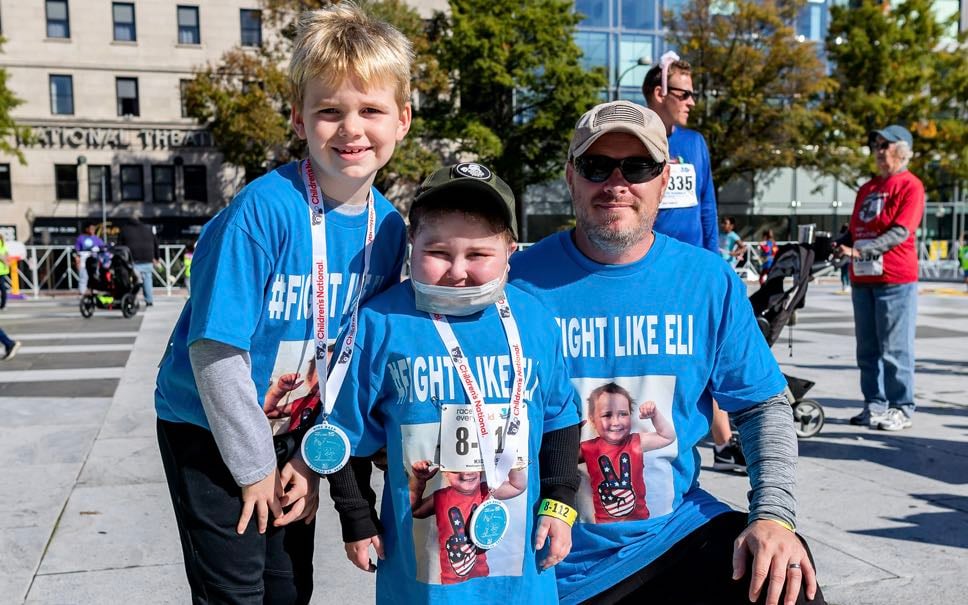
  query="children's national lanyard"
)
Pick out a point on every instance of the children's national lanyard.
point(496, 469)
point(320, 279)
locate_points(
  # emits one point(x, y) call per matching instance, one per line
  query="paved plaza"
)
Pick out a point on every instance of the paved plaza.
point(88, 520)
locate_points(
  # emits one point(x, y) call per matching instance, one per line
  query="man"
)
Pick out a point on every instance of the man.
point(5, 263)
point(731, 245)
point(671, 324)
point(881, 245)
point(963, 258)
point(140, 239)
point(86, 244)
point(687, 211)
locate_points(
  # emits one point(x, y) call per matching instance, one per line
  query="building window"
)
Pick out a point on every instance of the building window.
point(96, 177)
point(127, 90)
point(638, 14)
point(188, 32)
point(65, 181)
point(196, 185)
point(251, 27)
point(596, 12)
point(124, 27)
point(132, 182)
point(182, 87)
point(58, 22)
point(6, 193)
point(163, 183)
point(62, 95)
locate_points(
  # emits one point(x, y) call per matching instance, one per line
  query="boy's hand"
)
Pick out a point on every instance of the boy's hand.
point(424, 470)
point(261, 497)
point(359, 552)
point(560, 534)
point(301, 487)
point(647, 410)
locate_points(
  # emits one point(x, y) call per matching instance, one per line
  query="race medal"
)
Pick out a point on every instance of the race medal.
point(489, 522)
point(325, 448)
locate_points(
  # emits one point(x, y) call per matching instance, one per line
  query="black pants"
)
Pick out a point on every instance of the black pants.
point(222, 566)
point(698, 570)
point(3, 291)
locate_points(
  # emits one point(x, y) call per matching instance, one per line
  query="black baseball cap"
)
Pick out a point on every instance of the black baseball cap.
point(453, 181)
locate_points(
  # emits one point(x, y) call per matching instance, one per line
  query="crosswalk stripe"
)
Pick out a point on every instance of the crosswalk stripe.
point(60, 375)
point(74, 336)
point(76, 348)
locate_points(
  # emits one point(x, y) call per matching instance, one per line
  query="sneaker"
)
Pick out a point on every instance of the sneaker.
point(12, 350)
point(867, 419)
point(895, 420)
point(730, 457)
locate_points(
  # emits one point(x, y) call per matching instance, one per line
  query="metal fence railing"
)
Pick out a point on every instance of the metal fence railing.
point(52, 268)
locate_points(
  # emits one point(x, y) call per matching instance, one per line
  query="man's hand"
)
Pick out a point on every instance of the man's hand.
point(301, 487)
point(847, 251)
point(560, 534)
point(773, 549)
point(261, 497)
point(359, 552)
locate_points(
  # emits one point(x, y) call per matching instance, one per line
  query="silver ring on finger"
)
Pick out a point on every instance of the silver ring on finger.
point(793, 566)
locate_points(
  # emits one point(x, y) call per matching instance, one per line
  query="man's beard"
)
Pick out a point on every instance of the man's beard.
point(609, 239)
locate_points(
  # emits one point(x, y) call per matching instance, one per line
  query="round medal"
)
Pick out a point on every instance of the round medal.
point(325, 448)
point(489, 523)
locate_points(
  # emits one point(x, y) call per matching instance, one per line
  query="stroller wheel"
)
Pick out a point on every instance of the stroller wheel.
point(87, 306)
point(129, 305)
point(808, 418)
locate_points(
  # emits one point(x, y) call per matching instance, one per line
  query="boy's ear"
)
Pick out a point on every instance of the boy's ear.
point(295, 117)
point(406, 116)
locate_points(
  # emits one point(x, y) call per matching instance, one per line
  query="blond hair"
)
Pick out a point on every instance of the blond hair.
point(342, 41)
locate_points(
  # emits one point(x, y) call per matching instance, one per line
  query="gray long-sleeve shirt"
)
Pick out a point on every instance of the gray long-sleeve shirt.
point(770, 445)
point(223, 374)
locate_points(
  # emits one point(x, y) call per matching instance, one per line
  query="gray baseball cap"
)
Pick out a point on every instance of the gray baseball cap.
point(621, 116)
point(453, 181)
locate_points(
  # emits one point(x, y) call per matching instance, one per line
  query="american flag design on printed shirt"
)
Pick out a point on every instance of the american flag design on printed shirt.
point(460, 550)
point(616, 492)
point(618, 496)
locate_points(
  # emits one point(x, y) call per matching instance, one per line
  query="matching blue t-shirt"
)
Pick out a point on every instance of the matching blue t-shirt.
point(637, 337)
point(403, 392)
point(251, 289)
point(696, 225)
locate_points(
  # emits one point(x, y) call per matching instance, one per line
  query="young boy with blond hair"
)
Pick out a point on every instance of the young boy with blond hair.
point(276, 274)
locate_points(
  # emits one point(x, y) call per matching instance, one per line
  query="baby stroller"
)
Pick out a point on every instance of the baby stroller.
point(781, 294)
point(113, 283)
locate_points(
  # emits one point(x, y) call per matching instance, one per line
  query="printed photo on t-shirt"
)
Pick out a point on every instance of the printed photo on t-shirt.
point(627, 448)
point(443, 500)
point(293, 392)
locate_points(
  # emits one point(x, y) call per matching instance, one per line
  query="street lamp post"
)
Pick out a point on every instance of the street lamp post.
point(794, 204)
point(642, 62)
point(836, 206)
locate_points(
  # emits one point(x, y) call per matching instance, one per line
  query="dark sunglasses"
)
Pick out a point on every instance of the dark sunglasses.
point(873, 144)
point(684, 95)
point(635, 170)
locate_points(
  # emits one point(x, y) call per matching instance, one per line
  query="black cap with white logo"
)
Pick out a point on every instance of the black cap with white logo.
point(465, 177)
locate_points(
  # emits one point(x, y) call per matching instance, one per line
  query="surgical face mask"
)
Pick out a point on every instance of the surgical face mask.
point(450, 300)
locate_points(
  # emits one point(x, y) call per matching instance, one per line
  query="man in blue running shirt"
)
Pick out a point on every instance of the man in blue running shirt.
point(687, 211)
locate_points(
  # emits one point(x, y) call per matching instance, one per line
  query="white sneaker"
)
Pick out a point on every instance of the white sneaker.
point(896, 420)
point(12, 350)
point(868, 419)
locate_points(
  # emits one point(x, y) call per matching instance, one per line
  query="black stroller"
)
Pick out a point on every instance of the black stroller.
point(779, 297)
point(113, 283)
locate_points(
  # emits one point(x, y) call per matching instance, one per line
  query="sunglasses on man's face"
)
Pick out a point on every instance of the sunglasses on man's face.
point(683, 94)
point(878, 145)
point(635, 170)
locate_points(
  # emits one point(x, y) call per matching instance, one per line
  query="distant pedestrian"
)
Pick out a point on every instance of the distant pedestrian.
point(884, 272)
point(9, 346)
point(86, 244)
point(187, 262)
point(4, 272)
point(768, 248)
point(140, 239)
point(845, 266)
point(731, 245)
point(963, 258)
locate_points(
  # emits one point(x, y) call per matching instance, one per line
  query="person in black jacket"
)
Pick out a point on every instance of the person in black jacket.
point(140, 239)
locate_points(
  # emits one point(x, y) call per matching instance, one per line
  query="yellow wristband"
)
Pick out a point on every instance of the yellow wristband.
point(558, 510)
point(782, 524)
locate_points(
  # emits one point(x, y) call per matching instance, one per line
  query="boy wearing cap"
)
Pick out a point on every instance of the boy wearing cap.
point(670, 323)
point(452, 369)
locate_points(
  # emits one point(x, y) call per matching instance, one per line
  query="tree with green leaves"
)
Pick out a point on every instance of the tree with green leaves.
point(517, 86)
point(9, 130)
point(892, 66)
point(758, 84)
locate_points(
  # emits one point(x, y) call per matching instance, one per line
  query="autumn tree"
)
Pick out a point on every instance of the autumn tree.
point(9, 130)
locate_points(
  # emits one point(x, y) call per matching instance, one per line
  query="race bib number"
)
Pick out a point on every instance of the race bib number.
point(867, 265)
point(681, 191)
point(459, 449)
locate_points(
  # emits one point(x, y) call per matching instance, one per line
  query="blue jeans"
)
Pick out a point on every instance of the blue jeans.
point(5, 340)
point(885, 322)
point(145, 270)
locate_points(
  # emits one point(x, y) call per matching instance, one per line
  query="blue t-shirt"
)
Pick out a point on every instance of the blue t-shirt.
point(669, 331)
point(251, 289)
point(728, 243)
point(403, 393)
point(696, 225)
